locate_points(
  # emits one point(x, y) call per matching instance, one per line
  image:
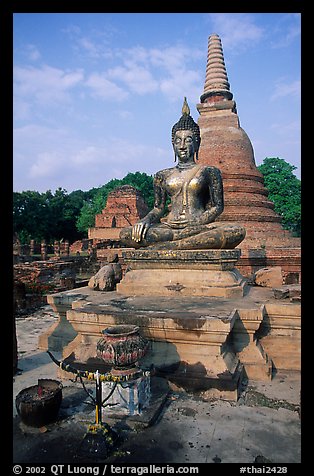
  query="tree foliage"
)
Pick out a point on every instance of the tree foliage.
point(46, 215)
point(52, 216)
point(284, 190)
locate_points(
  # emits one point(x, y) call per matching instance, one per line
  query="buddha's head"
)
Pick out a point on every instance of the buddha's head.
point(186, 129)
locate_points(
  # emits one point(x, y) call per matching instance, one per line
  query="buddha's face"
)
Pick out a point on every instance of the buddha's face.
point(184, 145)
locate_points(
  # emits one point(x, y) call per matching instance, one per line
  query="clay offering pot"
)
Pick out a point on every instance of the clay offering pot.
point(121, 346)
point(39, 405)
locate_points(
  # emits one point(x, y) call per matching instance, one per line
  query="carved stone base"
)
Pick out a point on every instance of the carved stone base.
point(280, 335)
point(209, 273)
point(188, 340)
point(196, 343)
point(61, 332)
point(257, 364)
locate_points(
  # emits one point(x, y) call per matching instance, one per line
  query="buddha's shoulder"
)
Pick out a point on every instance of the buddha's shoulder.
point(164, 173)
point(207, 169)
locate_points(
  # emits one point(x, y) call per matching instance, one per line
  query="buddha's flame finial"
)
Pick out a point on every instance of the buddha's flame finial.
point(185, 108)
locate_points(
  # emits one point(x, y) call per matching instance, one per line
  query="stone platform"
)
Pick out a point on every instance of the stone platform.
point(209, 273)
point(197, 343)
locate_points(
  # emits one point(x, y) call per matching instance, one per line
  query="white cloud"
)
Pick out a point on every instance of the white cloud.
point(290, 129)
point(236, 30)
point(21, 109)
point(288, 29)
point(169, 70)
point(72, 31)
point(89, 46)
point(124, 114)
point(32, 53)
point(137, 78)
point(174, 58)
point(45, 85)
point(40, 152)
point(50, 157)
point(88, 156)
point(92, 45)
point(104, 88)
point(131, 56)
point(47, 165)
point(139, 71)
point(183, 83)
point(181, 78)
point(35, 135)
point(283, 89)
point(121, 151)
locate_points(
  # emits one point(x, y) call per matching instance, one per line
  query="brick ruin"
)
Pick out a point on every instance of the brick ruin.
point(38, 251)
point(80, 246)
point(125, 206)
point(41, 269)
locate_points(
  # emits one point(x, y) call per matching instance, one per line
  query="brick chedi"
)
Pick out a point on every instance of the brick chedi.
point(225, 145)
point(125, 206)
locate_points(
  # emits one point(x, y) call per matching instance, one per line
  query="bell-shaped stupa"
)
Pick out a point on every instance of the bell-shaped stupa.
point(225, 145)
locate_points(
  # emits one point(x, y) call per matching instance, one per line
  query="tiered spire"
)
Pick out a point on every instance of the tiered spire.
point(226, 145)
point(216, 82)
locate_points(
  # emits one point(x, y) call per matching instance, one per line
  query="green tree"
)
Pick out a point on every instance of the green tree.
point(63, 211)
point(284, 190)
point(143, 183)
point(29, 215)
point(46, 215)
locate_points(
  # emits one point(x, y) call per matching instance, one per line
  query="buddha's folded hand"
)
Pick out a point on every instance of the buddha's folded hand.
point(139, 231)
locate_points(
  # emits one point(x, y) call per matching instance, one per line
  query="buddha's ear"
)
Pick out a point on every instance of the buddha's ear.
point(197, 144)
point(174, 150)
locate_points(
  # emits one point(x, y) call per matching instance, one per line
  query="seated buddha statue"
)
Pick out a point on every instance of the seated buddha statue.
point(196, 200)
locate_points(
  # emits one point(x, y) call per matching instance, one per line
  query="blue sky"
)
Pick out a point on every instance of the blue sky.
point(96, 94)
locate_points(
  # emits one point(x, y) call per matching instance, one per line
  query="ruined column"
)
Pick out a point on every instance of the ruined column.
point(19, 247)
point(26, 250)
point(43, 250)
point(56, 247)
point(32, 247)
point(66, 248)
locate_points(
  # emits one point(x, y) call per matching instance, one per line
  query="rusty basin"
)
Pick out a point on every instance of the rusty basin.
point(39, 405)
